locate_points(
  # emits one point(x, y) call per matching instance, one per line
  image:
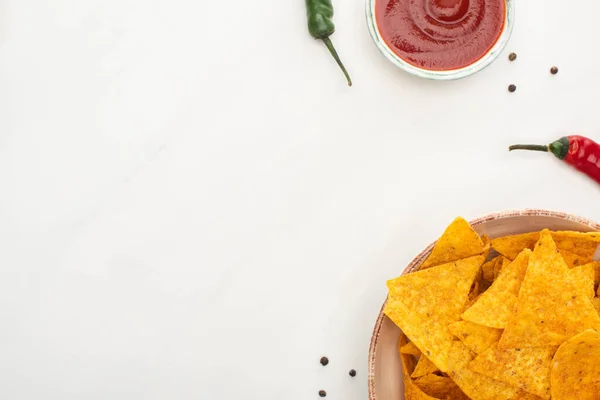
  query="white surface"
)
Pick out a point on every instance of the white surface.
point(195, 206)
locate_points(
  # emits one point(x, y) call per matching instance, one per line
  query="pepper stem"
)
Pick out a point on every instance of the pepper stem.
point(532, 147)
point(337, 58)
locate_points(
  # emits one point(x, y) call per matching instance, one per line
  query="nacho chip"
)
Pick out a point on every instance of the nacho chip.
point(500, 265)
point(409, 348)
point(495, 307)
point(526, 368)
point(511, 246)
point(574, 260)
point(583, 278)
point(424, 367)
point(596, 304)
point(425, 302)
point(473, 384)
point(582, 244)
point(549, 308)
point(458, 241)
point(477, 338)
point(576, 368)
point(440, 387)
point(487, 269)
point(411, 391)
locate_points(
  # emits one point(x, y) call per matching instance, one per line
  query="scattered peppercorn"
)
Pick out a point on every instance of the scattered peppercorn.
point(322, 393)
point(324, 361)
point(512, 56)
point(554, 70)
point(352, 373)
point(512, 88)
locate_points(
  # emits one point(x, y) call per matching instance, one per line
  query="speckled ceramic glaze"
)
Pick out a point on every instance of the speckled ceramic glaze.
point(477, 66)
point(385, 371)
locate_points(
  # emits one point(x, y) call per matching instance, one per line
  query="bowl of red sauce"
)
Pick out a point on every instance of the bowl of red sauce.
point(441, 39)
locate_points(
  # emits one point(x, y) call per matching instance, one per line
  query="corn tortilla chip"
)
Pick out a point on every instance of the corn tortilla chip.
point(527, 368)
point(576, 368)
point(458, 241)
point(583, 278)
point(476, 337)
point(473, 384)
point(574, 260)
point(425, 302)
point(411, 391)
point(495, 307)
point(487, 269)
point(424, 367)
point(549, 308)
point(500, 265)
point(440, 387)
point(409, 348)
point(582, 244)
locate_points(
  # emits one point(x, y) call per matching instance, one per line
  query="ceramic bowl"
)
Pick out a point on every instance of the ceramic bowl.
point(477, 66)
point(385, 371)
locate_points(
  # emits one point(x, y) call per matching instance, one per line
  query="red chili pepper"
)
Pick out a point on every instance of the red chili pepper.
point(577, 151)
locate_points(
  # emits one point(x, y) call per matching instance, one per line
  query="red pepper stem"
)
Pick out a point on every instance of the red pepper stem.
point(532, 147)
point(337, 58)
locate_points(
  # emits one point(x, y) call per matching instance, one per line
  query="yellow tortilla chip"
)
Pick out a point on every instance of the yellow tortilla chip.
point(425, 302)
point(576, 368)
point(549, 308)
point(596, 303)
point(440, 387)
point(582, 244)
point(424, 367)
point(487, 269)
point(495, 307)
point(477, 338)
point(511, 246)
point(458, 241)
point(583, 278)
point(409, 348)
point(473, 384)
point(411, 391)
point(525, 368)
point(574, 260)
point(499, 267)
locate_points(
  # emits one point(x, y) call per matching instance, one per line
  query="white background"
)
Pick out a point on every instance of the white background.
point(194, 205)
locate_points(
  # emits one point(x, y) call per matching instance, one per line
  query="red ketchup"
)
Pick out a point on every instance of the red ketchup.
point(440, 35)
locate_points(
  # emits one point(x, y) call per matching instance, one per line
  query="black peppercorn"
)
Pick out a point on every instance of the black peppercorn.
point(512, 56)
point(352, 373)
point(512, 88)
point(322, 393)
point(554, 70)
point(324, 361)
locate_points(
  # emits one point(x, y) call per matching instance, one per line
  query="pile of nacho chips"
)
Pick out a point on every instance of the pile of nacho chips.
point(516, 317)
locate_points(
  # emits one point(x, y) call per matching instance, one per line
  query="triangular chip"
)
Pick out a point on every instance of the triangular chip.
point(583, 278)
point(440, 387)
point(425, 302)
point(487, 269)
point(550, 308)
point(476, 337)
point(409, 348)
point(458, 241)
point(526, 368)
point(411, 391)
point(582, 244)
point(473, 384)
point(574, 260)
point(502, 263)
point(424, 367)
point(576, 368)
point(495, 307)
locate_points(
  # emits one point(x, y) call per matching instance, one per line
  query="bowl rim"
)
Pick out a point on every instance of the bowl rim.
point(421, 257)
point(453, 74)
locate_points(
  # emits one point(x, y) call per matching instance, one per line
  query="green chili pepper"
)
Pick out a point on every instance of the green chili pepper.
point(321, 26)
